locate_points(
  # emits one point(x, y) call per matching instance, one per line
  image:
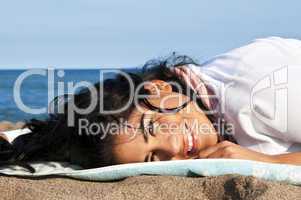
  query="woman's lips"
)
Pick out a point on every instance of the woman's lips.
point(193, 149)
point(190, 143)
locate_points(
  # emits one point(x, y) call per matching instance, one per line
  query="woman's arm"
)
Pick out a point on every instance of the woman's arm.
point(228, 149)
point(289, 158)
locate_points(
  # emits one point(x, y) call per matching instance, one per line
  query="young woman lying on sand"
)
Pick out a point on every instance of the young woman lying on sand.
point(243, 104)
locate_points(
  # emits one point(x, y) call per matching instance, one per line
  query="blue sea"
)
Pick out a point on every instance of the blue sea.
point(34, 90)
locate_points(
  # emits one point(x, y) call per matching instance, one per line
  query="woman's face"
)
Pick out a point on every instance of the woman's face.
point(154, 136)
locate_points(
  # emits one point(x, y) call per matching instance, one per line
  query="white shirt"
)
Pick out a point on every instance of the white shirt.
point(259, 88)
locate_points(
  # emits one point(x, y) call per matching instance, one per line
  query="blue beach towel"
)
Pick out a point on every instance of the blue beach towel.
point(198, 167)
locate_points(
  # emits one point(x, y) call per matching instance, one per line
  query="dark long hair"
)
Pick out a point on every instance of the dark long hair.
point(53, 140)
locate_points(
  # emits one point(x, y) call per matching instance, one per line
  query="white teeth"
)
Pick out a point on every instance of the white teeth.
point(190, 142)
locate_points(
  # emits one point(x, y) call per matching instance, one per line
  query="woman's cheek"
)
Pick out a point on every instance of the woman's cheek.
point(169, 125)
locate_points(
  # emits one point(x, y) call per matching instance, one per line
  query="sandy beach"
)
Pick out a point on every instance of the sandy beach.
point(7, 125)
point(148, 187)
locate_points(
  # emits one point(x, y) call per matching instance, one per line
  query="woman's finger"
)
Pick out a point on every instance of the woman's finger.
point(210, 150)
point(217, 154)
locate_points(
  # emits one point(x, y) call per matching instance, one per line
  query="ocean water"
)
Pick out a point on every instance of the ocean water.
point(34, 90)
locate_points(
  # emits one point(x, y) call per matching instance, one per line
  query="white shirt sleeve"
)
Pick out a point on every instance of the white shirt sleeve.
point(262, 92)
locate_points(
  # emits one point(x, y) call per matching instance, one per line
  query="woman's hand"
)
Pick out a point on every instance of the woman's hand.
point(194, 81)
point(228, 149)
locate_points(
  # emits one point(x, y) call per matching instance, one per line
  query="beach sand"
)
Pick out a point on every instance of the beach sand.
point(146, 187)
point(6, 125)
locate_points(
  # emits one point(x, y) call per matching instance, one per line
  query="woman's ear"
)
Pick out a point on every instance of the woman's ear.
point(156, 87)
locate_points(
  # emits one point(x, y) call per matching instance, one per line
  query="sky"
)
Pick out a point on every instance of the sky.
point(127, 33)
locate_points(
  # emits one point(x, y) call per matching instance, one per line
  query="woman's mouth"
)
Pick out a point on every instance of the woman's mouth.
point(190, 143)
